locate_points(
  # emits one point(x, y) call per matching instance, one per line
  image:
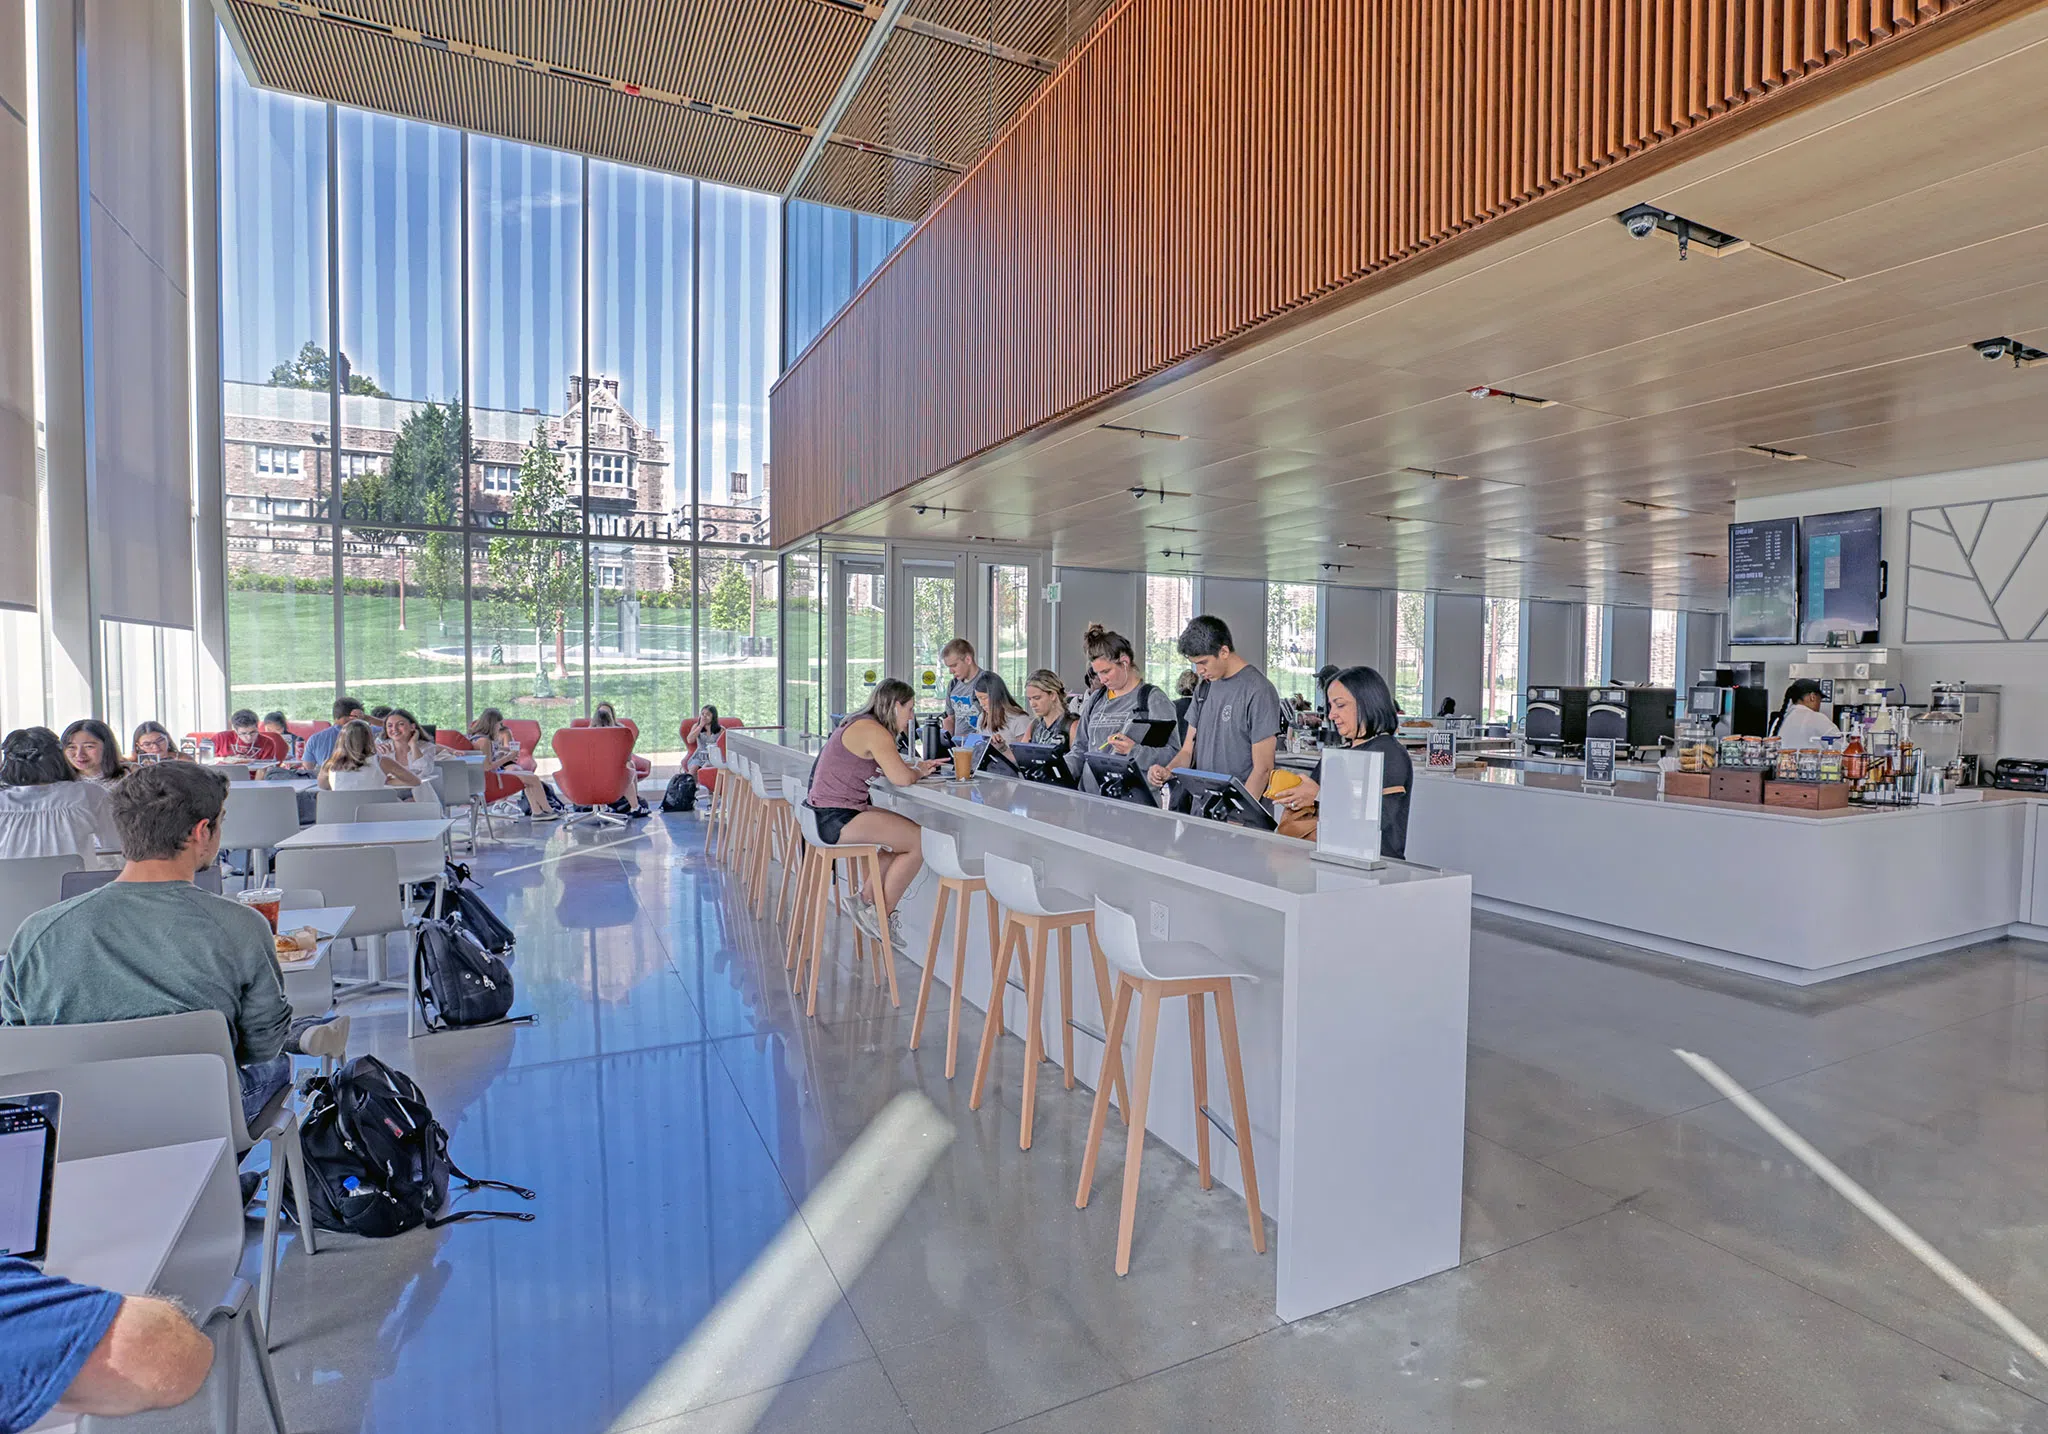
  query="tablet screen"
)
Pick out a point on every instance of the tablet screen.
point(28, 1166)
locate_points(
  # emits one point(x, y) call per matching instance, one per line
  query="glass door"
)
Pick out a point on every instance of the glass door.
point(859, 611)
point(933, 612)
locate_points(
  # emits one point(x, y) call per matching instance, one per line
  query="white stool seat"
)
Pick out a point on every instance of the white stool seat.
point(942, 857)
point(1013, 885)
point(1183, 961)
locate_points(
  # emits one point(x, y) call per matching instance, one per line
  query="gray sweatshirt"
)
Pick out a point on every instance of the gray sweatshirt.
point(1102, 716)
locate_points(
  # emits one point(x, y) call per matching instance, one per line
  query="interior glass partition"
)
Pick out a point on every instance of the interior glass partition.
point(1009, 624)
point(1663, 647)
point(1169, 608)
point(1291, 657)
point(1500, 688)
point(1411, 649)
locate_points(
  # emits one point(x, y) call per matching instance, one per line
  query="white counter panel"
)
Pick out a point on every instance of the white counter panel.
point(1798, 897)
point(1353, 1036)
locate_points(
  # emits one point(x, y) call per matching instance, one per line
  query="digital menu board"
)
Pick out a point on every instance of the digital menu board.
point(1763, 582)
point(1844, 562)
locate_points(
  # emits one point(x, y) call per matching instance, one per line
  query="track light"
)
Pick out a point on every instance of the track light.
point(2022, 355)
point(1141, 432)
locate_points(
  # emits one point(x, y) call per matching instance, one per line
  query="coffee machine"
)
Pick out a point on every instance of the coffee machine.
point(1652, 717)
point(1740, 705)
point(1854, 681)
point(1977, 705)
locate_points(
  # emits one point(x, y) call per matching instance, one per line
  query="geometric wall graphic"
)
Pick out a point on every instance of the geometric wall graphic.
point(1978, 572)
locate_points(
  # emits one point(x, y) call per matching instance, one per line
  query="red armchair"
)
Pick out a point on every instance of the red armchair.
point(707, 777)
point(303, 730)
point(641, 766)
point(593, 770)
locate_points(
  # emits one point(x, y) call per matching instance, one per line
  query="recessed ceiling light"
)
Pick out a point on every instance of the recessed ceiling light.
point(1141, 432)
point(1783, 455)
point(1522, 400)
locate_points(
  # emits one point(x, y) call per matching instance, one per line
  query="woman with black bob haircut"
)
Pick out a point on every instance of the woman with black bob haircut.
point(1362, 711)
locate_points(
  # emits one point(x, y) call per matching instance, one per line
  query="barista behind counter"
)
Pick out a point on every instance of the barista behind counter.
point(1800, 723)
point(1362, 710)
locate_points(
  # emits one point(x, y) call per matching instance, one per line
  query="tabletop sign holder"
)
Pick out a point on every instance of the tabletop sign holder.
point(1443, 749)
point(1600, 763)
point(1348, 808)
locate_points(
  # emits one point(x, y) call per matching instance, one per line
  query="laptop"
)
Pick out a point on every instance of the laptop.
point(28, 1174)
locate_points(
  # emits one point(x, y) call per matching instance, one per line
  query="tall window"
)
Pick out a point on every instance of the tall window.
point(1009, 621)
point(517, 521)
point(1411, 646)
point(1291, 638)
point(1596, 635)
point(1500, 677)
point(1663, 647)
point(1169, 608)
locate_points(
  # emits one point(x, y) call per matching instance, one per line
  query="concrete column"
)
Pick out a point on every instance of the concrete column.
point(1240, 602)
point(209, 536)
point(72, 678)
point(1358, 629)
point(1457, 650)
point(1628, 645)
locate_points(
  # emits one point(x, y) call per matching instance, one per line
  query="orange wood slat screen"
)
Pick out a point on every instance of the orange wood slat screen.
point(1202, 166)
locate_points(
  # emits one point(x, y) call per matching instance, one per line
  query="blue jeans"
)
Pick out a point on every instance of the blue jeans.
point(261, 1081)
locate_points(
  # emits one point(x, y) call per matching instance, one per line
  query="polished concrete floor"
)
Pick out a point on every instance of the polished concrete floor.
point(752, 1222)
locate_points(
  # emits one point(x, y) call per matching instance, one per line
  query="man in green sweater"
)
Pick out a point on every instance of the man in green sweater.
point(150, 943)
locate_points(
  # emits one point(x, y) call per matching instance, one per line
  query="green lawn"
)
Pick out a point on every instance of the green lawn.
point(281, 657)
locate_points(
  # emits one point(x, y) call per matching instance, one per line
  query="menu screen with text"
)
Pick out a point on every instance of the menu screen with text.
point(1763, 582)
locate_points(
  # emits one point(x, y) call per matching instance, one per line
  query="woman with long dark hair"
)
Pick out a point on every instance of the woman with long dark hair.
point(1362, 711)
point(863, 747)
point(1002, 716)
point(94, 752)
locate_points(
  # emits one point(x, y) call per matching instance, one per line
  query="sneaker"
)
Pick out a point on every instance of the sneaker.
point(864, 918)
point(547, 816)
point(325, 1041)
point(896, 933)
point(252, 1181)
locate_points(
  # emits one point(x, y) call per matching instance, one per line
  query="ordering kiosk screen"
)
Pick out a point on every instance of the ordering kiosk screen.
point(28, 1174)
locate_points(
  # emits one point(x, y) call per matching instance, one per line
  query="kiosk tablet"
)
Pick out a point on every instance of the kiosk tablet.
point(1119, 778)
point(1220, 798)
point(992, 760)
point(1042, 762)
point(1152, 732)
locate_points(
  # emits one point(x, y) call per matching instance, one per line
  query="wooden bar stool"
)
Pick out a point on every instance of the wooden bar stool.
point(1152, 972)
point(718, 818)
point(795, 792)
point(770, 833)
point(825, 860)
point(942, 860)
point(1029, 919)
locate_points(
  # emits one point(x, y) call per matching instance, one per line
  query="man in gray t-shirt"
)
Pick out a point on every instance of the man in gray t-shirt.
point(1235, 721)
point(958, 655)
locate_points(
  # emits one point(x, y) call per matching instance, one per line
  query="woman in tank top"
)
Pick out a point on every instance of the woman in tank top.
point(865, 747)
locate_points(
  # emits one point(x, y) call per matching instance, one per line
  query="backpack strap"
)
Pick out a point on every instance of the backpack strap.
point(470, 1182)
point(435, 1222)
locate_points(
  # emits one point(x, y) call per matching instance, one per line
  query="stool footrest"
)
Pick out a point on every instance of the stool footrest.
point(1089, 1031)
point(1216, 1120)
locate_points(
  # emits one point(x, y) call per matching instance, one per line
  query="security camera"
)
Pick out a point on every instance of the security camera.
point(1992, 349)
point(1641, 221)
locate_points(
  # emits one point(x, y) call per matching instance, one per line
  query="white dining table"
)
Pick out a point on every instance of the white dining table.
point(327, 835)
point(296, 784)
point(114, 1219)
point(309, 984)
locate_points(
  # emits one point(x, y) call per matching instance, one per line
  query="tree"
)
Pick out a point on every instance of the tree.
point(418, 483)
point(542, 575)
point(310, 370)
point(731, 600)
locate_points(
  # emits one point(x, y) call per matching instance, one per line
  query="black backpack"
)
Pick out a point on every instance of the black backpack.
point(460, 983)
point(462, 901)
point(681, 795)
point(376, 1159)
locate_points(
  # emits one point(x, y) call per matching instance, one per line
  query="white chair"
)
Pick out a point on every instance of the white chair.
point(301, 898)
point(365, 877)
point(344, 806)
point(1030, 917)
point(233, 771)
point(78, 883)
point(196, 1033)
point(255, 820)
point(415, 861)
point(27, 885)
point(1152, 972)
point(462, 786)
point(113, 1107)
point(942, 860)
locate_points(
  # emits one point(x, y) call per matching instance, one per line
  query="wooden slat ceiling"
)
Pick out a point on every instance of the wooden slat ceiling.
point(1890, 227)
point(725, 90)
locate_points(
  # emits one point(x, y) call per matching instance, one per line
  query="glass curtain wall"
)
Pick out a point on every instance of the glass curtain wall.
point(1663, 647)
point(1501, 683)
point(1169, 608)
point(1596, 644)
point(830, 253)
point(495, 425)
point(1291, 638)
point(1009, 622)
point(1411, 646)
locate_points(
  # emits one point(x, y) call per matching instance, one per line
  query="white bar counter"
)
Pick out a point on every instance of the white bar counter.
point(1353, 1037)
point(1801, 897)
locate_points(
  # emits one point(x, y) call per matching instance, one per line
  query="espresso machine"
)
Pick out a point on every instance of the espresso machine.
point(1977, 705)
point(1735, 697)
point(1854, 681)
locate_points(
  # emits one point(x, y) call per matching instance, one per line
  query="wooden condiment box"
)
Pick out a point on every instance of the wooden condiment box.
point(1688, 784)
point(1807, 796)
point(1736, 784)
